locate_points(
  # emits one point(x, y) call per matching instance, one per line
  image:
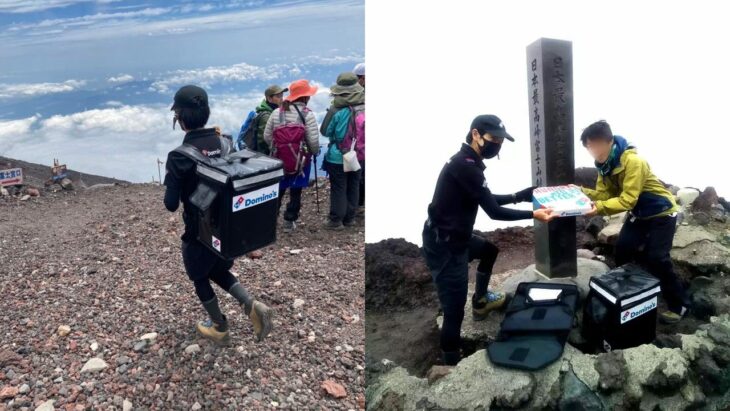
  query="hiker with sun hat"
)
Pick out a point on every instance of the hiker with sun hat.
point(293, 135)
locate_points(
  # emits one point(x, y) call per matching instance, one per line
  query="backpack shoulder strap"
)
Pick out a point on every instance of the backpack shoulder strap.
point(191, 152)
point(304, 121)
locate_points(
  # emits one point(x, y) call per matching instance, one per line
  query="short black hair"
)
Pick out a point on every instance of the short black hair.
point(600, 130)
point(481, 131)
point(193, 118)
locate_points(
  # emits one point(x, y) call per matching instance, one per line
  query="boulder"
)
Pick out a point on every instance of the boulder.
point(587, 254)
point(586, 269)
point(595, 225)
point(609, 234)
point(612, 370)
point(686, 235)
point(66, 184)
point(705, 200)
point(702, 257)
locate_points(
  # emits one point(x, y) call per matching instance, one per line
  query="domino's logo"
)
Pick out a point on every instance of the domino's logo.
point(254, 198)
point(216, 243)
point(239, 202)
point(639, 310)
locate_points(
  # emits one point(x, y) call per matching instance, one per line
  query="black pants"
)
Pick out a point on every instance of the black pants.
point(648, 243)
point(450, 272)
point(344, 193)
point(294, 205)
point(203, 266)
point(361, 201)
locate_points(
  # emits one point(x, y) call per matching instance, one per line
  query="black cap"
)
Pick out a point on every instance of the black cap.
point(190, 97)
point(489, 123)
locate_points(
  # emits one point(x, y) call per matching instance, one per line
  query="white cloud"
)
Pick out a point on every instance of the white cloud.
point(221, 74)
point(123, 78)
point(121, 141)
point(12, 131)
point(233, 19)
point(86, 20)
point(27, 6)
point(334, 59)
point(35, 89)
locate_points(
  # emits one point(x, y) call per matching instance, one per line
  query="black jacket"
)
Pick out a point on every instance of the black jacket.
point(181, 180)
point(460, 191)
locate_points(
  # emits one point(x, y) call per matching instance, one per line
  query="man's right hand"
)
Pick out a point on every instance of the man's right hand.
point(544, 214)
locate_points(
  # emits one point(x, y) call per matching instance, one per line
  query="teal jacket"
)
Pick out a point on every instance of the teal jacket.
point(336, 131)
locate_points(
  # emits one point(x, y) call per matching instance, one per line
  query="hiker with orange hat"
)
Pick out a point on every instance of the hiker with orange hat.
point(293, 135)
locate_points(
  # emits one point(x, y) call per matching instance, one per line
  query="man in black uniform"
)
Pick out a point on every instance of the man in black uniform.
point(448, 242)
point(202, 265)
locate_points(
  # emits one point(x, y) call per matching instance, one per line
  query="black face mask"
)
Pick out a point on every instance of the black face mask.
point(490, 149)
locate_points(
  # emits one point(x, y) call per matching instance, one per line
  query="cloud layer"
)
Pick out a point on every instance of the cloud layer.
point(36, 89)
point(120, 141)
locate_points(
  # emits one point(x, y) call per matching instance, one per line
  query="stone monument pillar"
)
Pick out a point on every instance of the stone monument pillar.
point(550, 96)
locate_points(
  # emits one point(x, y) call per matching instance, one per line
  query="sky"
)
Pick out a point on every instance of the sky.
point(91, 82)
point(656, 71)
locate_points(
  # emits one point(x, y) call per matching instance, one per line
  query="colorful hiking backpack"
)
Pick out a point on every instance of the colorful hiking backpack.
point(355, 133)
point(289, 143)
point(247, 135)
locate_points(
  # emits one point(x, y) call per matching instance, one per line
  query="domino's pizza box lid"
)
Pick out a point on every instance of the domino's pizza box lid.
point(244, 168)
point(565, 200)
point(626, 284)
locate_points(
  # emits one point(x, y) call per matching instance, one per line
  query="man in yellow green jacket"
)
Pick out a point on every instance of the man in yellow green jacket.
point(626, 183)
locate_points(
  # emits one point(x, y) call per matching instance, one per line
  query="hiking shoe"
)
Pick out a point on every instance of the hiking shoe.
point(255, 254)
point(350, 223)
point(218, 333)
point(481, 307)
point(289, 226)
point(262, 319)
point(335, 226)
point(670, 317)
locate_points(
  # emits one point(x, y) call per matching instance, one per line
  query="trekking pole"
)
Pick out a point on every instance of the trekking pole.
point(316, 184)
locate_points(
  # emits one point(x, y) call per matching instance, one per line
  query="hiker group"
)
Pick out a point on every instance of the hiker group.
point(282, 127)
point(285, 128)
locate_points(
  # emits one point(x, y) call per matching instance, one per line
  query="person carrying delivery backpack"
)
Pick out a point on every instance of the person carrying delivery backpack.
point(344, 124)
point(293, 135)
point(202, 266)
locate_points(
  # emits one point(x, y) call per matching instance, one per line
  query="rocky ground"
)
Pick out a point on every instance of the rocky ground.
point(687, 366)
point(99, 314)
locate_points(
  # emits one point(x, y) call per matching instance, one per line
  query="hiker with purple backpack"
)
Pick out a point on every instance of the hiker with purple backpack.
point(344, 124)
point(293, 136)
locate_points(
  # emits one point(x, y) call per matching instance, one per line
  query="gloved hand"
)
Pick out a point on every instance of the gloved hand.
point(524, 195)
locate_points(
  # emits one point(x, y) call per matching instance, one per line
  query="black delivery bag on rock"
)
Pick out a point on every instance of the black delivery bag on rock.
point(237, 198)
point(621, 309)
point(536, 326)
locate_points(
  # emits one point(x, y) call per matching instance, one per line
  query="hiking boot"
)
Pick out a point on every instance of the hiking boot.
point(218, 333)
point(350, 223)
point(262, 319)
point(255, 254)
point(670, 317)
point(334, 226)
point(481, 307)
point(289, 226)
